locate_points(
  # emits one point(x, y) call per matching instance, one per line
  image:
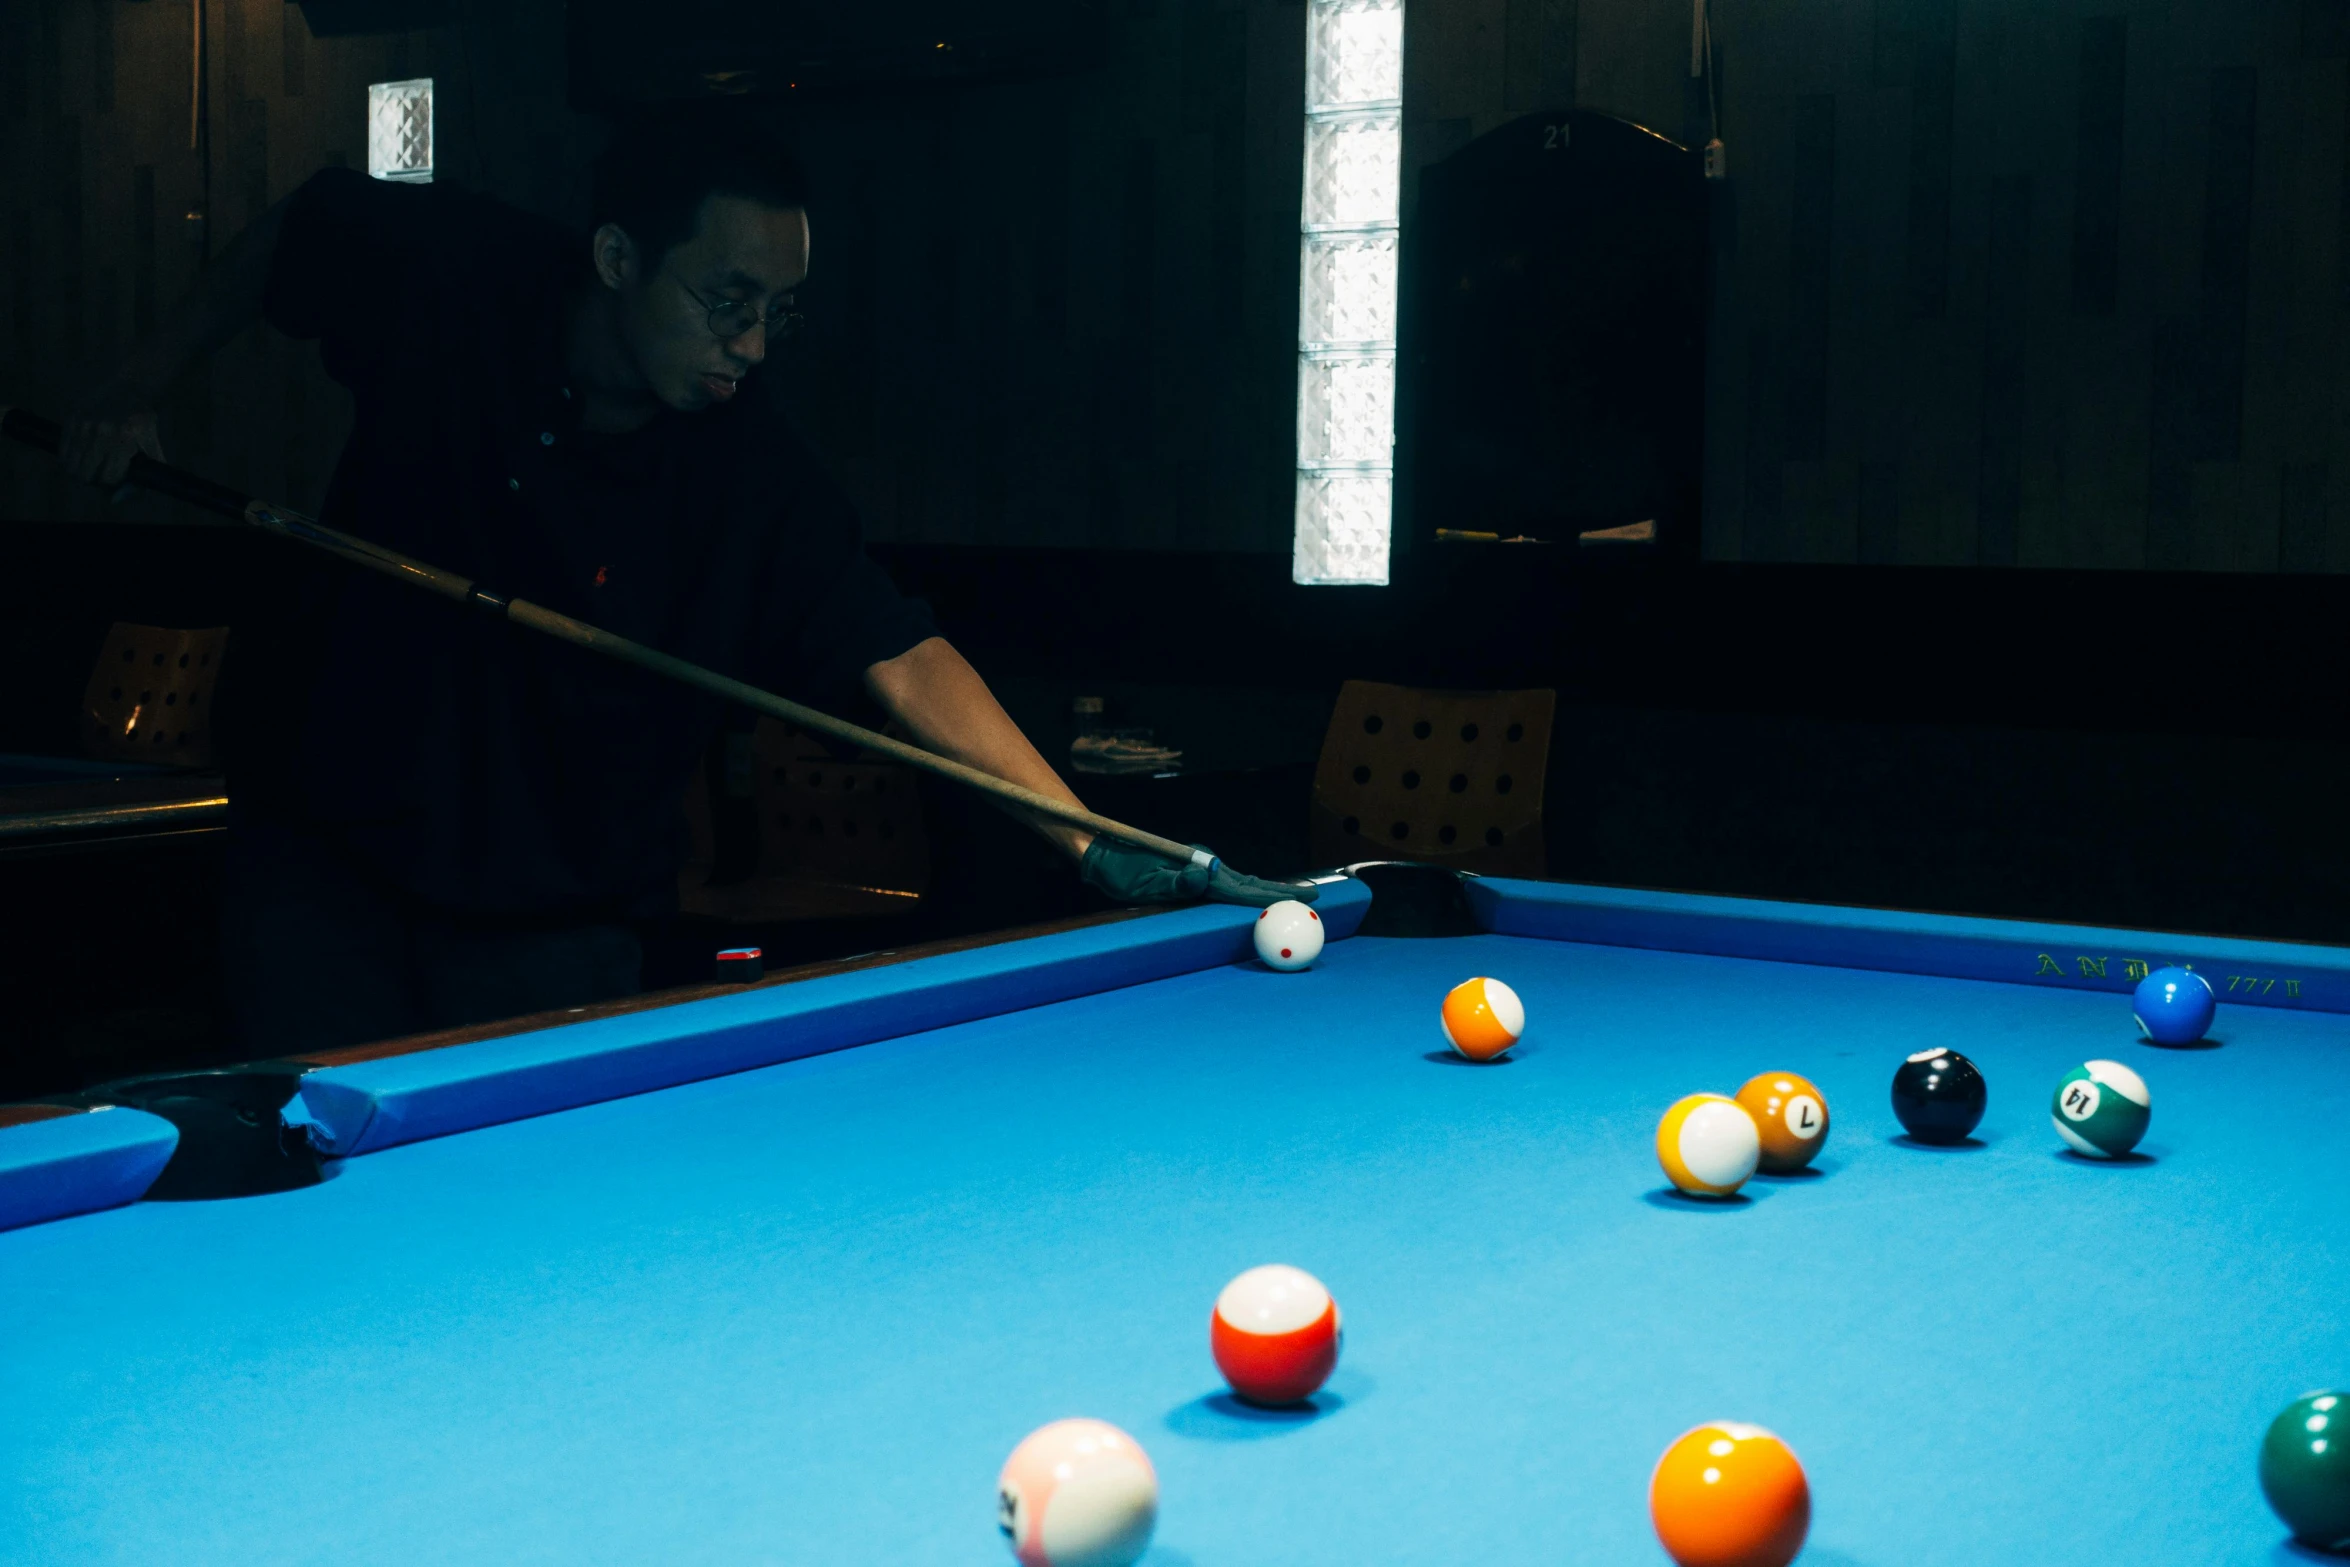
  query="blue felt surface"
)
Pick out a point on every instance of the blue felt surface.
point(77, 1163)
point(380, 1104)
point(802, 1313)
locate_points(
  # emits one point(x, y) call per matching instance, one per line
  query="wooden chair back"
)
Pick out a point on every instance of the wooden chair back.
point(1443, 777)
point(855, 823)
point(150, 695)
point(835, 838)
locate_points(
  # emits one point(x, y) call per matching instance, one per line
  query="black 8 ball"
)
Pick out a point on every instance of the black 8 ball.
point(1939, 1096)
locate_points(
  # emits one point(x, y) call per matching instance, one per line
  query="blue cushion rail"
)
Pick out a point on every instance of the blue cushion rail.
point(2075, 957)
point(368, 1105)
point(80, 1162)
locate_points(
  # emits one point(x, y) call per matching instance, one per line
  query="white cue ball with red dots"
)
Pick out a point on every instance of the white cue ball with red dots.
point(1275, 1334)
point(1077, 1493)
point(1289, 935)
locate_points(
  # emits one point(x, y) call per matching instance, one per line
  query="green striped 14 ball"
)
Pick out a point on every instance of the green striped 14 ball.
point(2101, 1109)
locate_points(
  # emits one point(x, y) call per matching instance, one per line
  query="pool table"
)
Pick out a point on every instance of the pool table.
point(57, 804)
point(781, 1274)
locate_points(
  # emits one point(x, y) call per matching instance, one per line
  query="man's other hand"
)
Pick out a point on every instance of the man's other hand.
point(111, 427)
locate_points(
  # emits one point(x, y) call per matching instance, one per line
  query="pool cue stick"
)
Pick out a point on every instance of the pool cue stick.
point(45, 434)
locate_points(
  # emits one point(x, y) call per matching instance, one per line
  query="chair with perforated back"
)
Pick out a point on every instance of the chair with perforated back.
point(836, 838)
point(150, 695)
point(1444, 777)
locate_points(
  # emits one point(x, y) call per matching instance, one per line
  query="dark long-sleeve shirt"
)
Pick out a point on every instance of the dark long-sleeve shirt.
point(475, 765)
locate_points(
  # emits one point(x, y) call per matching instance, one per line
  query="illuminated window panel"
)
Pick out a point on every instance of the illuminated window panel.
point(1346, 291)
point(399, 131)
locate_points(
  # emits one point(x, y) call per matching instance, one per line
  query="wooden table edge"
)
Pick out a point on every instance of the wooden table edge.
point(410, 1044)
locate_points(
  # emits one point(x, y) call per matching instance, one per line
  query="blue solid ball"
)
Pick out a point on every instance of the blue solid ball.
point(2174, 1006)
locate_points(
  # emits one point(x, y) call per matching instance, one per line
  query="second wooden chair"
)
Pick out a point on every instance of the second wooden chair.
point(1444, 777)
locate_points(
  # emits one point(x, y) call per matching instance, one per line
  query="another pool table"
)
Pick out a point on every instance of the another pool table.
point(782, 1274)
point(58, 804)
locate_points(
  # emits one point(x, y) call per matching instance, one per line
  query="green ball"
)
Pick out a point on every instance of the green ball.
point(2101, 1108)
point(2305, 1469)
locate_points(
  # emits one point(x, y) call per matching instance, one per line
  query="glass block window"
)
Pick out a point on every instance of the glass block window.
point(1346, 291)
point(399, 131)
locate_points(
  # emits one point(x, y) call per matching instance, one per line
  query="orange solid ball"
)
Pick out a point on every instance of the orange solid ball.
point(1728, 1495)
point(1792, 1116)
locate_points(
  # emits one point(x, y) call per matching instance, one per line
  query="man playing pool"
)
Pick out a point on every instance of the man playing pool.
point(440, 819)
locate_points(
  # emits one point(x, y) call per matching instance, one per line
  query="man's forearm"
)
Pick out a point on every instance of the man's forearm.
point(947, 708)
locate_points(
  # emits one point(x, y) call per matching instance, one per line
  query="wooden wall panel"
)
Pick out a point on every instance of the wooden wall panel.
point(98, 179)
point(1063, 312)
point(2056, 283)
point(2115, 231)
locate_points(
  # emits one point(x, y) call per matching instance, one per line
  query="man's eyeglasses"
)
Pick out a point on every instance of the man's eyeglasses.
point(731, 318)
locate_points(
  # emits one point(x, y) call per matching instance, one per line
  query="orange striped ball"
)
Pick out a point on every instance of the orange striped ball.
point(1482, 1018)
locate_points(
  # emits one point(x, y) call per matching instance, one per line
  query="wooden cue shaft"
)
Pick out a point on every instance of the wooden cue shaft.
point(45, 434)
